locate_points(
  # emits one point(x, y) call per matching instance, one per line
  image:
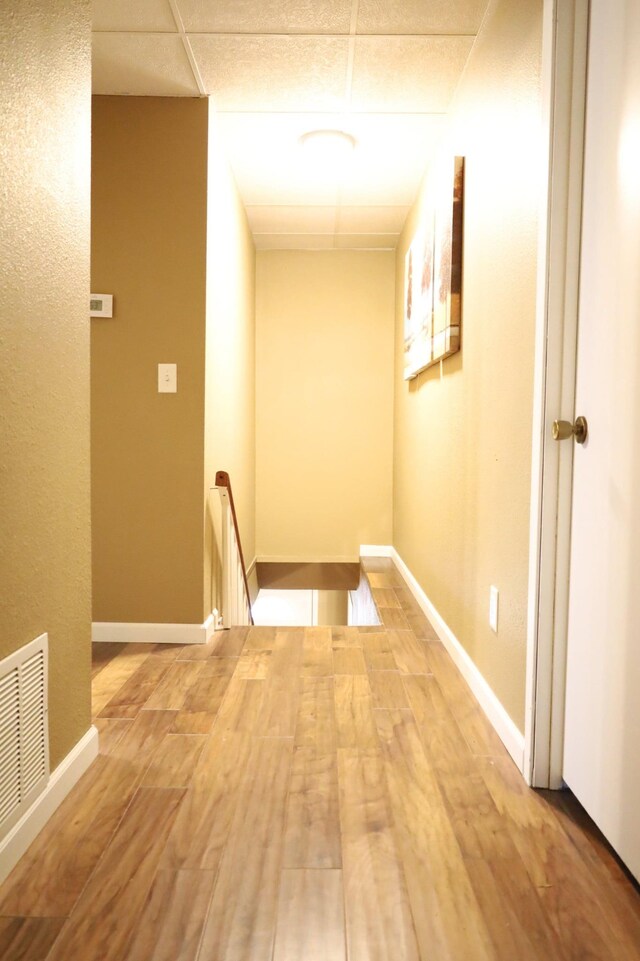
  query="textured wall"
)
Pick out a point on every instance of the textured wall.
point(462, 456)
point(230, 434)
point(45, 79)
point(324, 402)
point(149, 222)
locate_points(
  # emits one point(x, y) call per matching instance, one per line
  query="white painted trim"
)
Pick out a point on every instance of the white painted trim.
point(65, 776)
point(298, 559)
point(252, 581)
point(376, 550)
point(210, 626)
point(565, 28)
point(124, 633)
point(13, 664)
point(507, 731)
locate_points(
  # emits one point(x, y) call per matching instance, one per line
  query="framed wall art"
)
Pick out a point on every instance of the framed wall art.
point(433, 272)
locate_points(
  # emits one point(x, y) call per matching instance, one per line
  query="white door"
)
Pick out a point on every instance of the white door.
point(602, 723)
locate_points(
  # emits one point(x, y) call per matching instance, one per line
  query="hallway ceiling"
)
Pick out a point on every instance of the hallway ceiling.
point(382, 70)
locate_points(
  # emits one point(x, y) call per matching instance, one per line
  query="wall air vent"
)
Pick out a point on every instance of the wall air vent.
point(24, 736)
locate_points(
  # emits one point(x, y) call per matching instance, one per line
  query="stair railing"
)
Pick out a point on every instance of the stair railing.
point(236, 599)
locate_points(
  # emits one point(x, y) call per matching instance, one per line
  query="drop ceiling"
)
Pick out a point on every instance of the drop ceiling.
point(382, 70)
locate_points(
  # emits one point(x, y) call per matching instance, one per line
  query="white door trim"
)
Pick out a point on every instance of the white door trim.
point(564, 64)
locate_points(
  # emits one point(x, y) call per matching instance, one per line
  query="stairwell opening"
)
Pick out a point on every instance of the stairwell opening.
point(312, 595)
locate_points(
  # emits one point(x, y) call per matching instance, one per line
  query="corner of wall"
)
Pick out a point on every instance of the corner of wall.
point(229, 361)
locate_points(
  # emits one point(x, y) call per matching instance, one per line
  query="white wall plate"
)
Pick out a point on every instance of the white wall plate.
point(101, 305)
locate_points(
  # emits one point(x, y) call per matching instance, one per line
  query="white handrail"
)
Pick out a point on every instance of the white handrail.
point(236, 606)
point(236, 601)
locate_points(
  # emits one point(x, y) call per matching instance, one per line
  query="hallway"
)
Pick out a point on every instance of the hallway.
point(318, 793)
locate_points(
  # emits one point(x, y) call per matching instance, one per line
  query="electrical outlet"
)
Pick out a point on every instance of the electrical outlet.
point(493, 608)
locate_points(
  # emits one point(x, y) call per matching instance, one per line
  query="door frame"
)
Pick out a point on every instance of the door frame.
point(564, 75)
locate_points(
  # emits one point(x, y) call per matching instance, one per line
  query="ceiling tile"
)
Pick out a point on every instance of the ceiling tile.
point(268, 163)
point(386, 168)
point(141, 65)
point(390, 160)
point(293, 241)
point(366, 241)
point(266, 16)
point(124, 16)
point(362, 220)
point(273, 73)
point(296, 220)
point(420, 16)
point(407, 74)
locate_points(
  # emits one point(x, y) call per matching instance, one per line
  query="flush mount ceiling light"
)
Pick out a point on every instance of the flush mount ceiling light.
point(338, 138)
point(330, 146)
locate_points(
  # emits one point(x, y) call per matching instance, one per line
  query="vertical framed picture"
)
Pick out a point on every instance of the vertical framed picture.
point(433, 272)
point(418, 317)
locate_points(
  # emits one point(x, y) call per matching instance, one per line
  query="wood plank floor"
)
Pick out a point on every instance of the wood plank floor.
point(319, 794)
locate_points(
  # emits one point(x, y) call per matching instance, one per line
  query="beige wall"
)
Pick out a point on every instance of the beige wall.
point(149, 223)
point(463, 434)
point(333, 608)
point(44, 341)
point(324, 399)
point(170, 240)
point(230, 361)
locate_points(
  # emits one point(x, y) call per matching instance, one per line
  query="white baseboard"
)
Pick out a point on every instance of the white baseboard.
point(507, 731)
point(65, 776)
point(210, 626)
point(125, 633)
point(376, 550)
point(251, 568)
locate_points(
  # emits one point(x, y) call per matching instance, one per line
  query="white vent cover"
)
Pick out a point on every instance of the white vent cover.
point(24, 740)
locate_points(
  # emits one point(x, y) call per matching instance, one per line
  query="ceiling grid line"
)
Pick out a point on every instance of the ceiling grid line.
point(320, 112)
point(352, 233)
point(278, 35)
point(251, 35)
point(353, 29)
point(186, 43)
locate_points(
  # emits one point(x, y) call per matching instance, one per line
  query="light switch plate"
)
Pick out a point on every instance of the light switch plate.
point(493, 608)
point(167, 378)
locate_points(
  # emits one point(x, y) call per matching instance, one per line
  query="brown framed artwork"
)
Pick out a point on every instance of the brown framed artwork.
point(433, 272)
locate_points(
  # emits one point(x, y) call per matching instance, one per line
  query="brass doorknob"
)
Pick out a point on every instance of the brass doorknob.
point(562, 429)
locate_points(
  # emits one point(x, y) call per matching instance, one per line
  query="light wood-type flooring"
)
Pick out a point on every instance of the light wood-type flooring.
point(318, 794)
